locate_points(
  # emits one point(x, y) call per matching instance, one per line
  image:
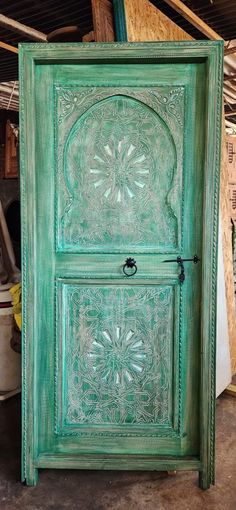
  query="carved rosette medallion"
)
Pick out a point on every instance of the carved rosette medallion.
point(120, 170)
point(118, 356)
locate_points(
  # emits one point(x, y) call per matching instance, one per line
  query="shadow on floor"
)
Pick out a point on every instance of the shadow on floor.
point(111, 490)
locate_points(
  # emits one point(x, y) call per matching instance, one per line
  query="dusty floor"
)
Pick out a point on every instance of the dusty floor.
point(106, 490)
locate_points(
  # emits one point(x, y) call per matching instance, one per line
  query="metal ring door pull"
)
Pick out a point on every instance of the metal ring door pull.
point(130, 264)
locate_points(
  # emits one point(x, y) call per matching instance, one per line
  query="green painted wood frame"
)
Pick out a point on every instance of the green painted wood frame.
point(211, 53)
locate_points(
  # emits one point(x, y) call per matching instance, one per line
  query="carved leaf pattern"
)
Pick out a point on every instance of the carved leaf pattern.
point(171, 100)
point(121, 172)
point(118, 355)
point(171, 103)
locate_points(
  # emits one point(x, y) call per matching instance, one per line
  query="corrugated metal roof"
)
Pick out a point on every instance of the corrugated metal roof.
point(218, 14)
point(9, 95)
point(8, 65)
point(45, 16)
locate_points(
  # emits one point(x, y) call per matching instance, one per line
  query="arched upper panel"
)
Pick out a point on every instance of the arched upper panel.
point(120, 173)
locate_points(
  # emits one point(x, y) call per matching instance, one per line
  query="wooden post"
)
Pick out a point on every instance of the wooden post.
point(103, 21)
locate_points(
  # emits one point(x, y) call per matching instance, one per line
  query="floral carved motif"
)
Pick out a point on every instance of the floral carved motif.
point(118, 355)
point(121, 169)
point(170, 100)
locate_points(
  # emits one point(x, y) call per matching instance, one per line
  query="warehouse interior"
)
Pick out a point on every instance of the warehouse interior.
point(101, 21)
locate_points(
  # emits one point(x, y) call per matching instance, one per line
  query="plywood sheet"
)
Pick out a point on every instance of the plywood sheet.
point(225, 206)
point(231, 164)
point(11, 153)
point(144, 22)
point(223, 364)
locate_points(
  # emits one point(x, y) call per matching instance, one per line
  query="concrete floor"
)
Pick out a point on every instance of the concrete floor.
point(107, 490)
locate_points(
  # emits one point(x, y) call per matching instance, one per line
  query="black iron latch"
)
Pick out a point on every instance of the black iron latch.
point(180, 262)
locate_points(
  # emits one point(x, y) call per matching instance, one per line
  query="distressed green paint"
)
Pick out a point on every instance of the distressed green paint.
point(116, 370)
point(118, 373)
point(127, 195)
point(118, 462)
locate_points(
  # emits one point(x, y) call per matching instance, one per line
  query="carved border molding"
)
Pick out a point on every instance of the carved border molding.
point(24, 284)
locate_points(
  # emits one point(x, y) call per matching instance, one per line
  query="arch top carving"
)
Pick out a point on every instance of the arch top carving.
point(121, 173)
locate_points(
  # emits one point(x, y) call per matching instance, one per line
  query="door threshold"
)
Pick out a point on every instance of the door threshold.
point(117, 462)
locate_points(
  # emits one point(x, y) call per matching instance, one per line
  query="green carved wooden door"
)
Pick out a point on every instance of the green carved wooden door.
point(119, 151)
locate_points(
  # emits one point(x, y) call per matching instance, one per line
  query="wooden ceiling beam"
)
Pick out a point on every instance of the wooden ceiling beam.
point(9, 90)
point(228, 51)
point(231, 77)
point(230, 113)
point(192, 18)
point(230, 124)
point(8, 47)
point(15, 26)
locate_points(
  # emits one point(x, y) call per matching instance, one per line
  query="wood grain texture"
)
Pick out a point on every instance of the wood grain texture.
point(103, 21)
point(227, 249)
point(117, 462)
point(38, 290)
point(89, 37)
point(2, 160)
point(145, 22)
point(11, 153)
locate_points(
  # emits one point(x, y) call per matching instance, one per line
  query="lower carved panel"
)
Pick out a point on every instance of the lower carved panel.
point(115, 357)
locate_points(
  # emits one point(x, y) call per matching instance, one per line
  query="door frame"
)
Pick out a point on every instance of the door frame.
point(210, 53)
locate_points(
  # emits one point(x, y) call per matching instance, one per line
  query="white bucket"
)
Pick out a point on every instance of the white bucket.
point(10, 361)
